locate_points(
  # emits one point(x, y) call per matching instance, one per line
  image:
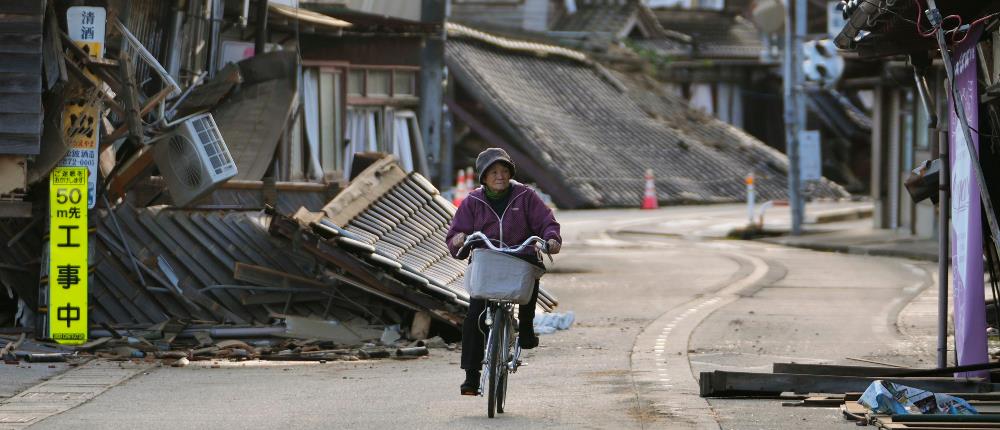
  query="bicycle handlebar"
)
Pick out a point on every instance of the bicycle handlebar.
point(489, 243)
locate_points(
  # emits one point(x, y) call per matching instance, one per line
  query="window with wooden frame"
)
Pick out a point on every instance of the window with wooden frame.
point(324, 104)
point(382, 85)
point(361, 108)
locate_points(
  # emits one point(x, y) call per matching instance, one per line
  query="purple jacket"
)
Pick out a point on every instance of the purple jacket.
point(526, 215)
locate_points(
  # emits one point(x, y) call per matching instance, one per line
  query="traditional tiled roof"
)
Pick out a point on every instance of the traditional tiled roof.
point(714, 34)
point(666, 47)
point(598, 134)
point(619, 20)
point(599, 18)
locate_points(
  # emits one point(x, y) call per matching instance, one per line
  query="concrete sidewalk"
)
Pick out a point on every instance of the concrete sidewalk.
point(828, 226)
point(838, 230)
point(861, 240)
point(722, 221)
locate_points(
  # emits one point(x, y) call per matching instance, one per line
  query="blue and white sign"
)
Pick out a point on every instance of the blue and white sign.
point(810, 160)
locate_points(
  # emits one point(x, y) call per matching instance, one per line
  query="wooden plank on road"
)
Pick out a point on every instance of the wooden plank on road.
point(874, 371)
point(726, 384)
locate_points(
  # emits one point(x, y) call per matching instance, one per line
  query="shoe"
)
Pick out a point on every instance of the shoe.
point(527, 340)
point(471, 385)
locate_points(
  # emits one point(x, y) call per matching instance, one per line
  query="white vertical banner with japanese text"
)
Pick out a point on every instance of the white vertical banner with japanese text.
point(966, 214)
point(81, 118)
point(68, 252)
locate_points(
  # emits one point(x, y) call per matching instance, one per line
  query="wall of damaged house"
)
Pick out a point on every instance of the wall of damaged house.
point(361, 94)
point(204, 141)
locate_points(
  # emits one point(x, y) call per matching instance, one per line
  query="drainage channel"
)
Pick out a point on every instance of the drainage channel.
point(65, 392)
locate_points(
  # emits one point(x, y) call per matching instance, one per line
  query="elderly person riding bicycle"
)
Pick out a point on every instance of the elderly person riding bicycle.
point(508, 213)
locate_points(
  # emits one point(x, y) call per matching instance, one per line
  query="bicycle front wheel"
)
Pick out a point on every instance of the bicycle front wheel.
point(505, 357)
point(496, 365)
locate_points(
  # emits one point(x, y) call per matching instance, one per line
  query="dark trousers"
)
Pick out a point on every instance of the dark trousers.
point(474, 326)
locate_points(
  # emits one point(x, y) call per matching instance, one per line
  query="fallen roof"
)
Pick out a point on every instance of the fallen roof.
point(157, 263)
point(388, 261)
point(594, 134)
point(397, 222)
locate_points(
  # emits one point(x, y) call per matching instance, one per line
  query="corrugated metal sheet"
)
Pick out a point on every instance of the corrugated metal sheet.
point(209, 266)
point(197, 249)
point(286, 202)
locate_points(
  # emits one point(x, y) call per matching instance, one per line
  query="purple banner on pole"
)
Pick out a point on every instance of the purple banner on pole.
point(966, 218)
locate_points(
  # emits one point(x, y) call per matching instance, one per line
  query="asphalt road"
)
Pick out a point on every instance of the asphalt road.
point(652, 312)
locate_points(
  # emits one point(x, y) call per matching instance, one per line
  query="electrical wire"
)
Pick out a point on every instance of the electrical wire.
point(954, 31)
point(971, 25)
point(934, 30)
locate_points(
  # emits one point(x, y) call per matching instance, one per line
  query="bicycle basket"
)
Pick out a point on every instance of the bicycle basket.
point(499, 276)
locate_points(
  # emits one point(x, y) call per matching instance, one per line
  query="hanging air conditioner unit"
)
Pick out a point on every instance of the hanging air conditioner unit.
point(194, 159)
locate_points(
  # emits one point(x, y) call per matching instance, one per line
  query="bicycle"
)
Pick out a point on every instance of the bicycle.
point(513, 284)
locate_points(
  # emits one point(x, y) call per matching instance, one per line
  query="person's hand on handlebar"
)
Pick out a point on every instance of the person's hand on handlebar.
point(553, 246)
point(458, 240)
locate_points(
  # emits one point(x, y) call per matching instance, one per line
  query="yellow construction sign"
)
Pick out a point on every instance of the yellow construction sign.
point(68, 255)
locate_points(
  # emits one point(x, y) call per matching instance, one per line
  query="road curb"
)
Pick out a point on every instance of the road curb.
point(838, 215)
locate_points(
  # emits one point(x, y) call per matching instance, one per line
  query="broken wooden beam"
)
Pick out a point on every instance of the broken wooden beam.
point(742, 384)
point(873, 371)
point(951, 419)
point(130, 100)
point(271, 298)
point(148, 107)
point(267, 277)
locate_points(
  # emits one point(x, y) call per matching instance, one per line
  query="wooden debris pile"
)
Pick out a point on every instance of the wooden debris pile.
point(833, 386)
point(197, 345)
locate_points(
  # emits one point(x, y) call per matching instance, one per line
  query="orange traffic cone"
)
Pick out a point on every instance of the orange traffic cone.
point(470, 183)
point(649, 198)
point(460, 191)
